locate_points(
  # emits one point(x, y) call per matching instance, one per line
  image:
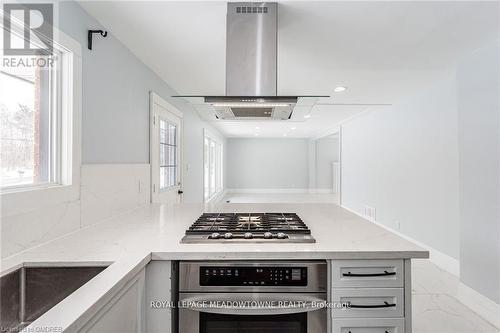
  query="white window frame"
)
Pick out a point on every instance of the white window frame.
point(177, 177)
point(21, 199)
point(169, 112)
point(219, 164)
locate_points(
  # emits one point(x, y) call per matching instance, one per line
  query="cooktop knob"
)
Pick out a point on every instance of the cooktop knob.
point(281, 235)
point(228, 235)
point(268, 235)
point(215, 235)
point(248, 235)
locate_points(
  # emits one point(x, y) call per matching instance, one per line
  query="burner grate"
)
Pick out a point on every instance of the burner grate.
point(249, 222)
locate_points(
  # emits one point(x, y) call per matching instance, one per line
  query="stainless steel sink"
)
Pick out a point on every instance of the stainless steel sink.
point(29, 292)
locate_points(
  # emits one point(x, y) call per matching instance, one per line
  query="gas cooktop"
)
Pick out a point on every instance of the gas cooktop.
point(248, 228)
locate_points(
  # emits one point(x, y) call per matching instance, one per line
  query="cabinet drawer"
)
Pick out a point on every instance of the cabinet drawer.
point(367, 273)
point(366, 303)
point(368, 325)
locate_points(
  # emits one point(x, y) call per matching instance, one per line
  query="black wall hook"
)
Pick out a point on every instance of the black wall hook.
point(91, 33)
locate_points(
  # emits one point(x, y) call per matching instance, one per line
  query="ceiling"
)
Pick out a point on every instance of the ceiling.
point(381, 51)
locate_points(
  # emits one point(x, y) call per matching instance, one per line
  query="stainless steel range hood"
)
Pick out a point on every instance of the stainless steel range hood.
point(251, 66)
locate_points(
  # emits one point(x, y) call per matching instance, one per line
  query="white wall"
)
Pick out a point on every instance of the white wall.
point(267, 163)
point(327, 152)
point(432, 163)
point(116, 86)
point(403, 161)
point(479, 147)
point(115, 136)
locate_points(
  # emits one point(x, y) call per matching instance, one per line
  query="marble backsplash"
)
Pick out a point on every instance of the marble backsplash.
point(112, 189)
point(106, 190)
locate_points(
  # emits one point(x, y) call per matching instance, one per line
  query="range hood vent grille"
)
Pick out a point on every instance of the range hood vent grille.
point(250, 107)
point(252, 112)
point(251, 10)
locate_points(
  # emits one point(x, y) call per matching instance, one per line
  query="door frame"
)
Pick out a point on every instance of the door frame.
point(154, 101)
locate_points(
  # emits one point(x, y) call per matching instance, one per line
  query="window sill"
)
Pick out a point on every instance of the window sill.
point(20, 188)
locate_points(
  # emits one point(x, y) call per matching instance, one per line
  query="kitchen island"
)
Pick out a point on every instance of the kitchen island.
point(151, 234)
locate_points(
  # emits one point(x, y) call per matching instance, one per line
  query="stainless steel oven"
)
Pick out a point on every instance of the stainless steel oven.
point(256, 296)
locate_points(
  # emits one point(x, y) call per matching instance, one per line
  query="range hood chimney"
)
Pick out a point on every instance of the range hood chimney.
point(251, 49)
point(251, 65)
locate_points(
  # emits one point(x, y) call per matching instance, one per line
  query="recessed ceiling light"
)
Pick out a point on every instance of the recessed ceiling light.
point(256, 134)
point(257, 127)
point(339, 89)
point(284, 134)
point(307, 116)
point(293, 128)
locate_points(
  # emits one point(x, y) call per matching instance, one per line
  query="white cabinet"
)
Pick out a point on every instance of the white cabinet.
point(159, 297)
point(379, 292)
point(131, 309)
point(379, 325)
point(369, 302)
point(367, 273)
point(124, 312)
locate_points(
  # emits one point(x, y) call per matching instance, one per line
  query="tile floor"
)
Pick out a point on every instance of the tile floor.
point(435, 309)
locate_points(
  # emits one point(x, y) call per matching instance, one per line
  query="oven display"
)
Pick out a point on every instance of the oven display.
point(253, 276)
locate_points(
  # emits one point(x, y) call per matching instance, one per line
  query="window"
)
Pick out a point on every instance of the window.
point(40, 128)
point(213, 163)
point(30, 125)
point(168, 154)
point(36, 121)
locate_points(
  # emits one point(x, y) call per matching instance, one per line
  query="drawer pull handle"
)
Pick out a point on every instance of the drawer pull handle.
point(385, 273)
point(385, 305)
point(384, 332)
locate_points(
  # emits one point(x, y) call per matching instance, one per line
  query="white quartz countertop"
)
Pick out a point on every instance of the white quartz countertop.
point(158, 229)
point(153, 232)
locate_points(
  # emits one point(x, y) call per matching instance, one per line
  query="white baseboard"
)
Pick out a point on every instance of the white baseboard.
point(267, 190)
point(321, 190)
point(221, 196)
point(480, 304)
point(217, 198)
point(279, 190)
point(444, 261)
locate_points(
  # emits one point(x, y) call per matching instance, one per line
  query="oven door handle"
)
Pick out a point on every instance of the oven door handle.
point(263, 304)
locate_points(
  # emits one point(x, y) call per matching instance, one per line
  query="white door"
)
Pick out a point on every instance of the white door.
point(166, 151)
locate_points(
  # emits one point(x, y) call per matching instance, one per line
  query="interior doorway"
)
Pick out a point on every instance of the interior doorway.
point(326, 163)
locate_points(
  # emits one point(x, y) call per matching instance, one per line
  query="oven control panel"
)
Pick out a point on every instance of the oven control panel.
point(253, 276)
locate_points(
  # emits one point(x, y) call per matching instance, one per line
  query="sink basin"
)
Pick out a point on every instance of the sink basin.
point(29, 292)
